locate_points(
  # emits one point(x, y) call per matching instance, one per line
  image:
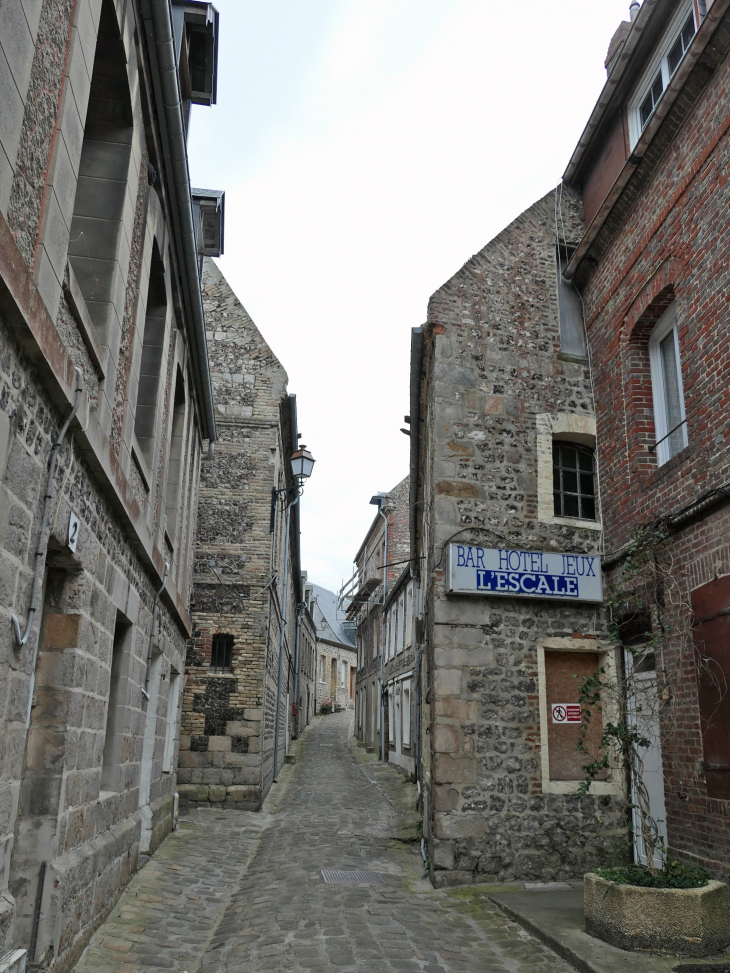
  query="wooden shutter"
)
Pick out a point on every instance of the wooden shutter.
point(711, 606)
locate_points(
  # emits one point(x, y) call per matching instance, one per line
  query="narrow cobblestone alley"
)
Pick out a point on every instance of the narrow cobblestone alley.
point(239, 892)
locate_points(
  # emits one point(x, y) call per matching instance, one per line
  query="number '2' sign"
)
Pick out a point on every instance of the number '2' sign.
point(74, 526)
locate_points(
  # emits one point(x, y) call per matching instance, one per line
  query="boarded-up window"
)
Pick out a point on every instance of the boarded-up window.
point(561, 687)
point(711, 606)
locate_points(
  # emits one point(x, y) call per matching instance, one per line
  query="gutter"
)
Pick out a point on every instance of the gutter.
point(157, 17)
point(415, 413)
point(668, 99)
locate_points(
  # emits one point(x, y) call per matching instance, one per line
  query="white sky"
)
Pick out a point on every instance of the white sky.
point(367, 149)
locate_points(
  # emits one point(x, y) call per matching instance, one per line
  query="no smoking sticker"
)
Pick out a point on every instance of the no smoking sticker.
point(566, 712)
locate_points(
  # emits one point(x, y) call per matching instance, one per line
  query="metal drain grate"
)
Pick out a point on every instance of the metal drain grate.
point(338, 877)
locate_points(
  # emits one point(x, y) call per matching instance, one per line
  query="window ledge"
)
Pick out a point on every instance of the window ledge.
point(671, 464)
point(80, 312)
point(578, 522)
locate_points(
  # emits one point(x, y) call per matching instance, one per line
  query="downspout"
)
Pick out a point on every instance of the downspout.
point(40, 554)
point(161, 45)
point(415, 444)
point(146, 690)
point(281, 638)
point(383, 641)
point(300, 609)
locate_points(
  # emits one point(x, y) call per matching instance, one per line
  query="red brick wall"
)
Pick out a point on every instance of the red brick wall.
point(673, 244)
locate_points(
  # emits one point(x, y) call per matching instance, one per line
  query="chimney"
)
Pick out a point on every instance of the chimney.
point(617, 44)
point(633, 9)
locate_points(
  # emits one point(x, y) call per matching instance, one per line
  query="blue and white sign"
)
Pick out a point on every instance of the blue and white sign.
point(524, 574)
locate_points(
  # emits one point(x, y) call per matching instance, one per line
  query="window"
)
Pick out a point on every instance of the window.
point(681, 44)
point(343, 675)
point(391, 716)
point(153, 349)
point(572, 331)
point(666, 380)
point(406, 714)
point(171, 724)
point(175, 463)
point(322, 663)
point(101, 190)
point(401, 625)
point(651, 100)
point(409, 615)
point(573, 481)
point(221, 653)
point(670, 54)
point(391, 638)
point(111, 772)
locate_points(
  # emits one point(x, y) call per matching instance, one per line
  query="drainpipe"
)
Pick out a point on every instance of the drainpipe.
point(40, 554)
point(382, 639)
point(300, 609)
point(281, 638)
point(146, 690)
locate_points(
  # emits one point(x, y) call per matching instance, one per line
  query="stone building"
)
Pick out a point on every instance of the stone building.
point(650, 260)
point(401, 665)
point(105, 412)
point(365, 594)
point(504, 522)
point(232, 666)
point(336, 654)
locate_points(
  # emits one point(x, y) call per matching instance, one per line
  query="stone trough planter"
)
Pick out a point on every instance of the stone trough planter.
point(686, 922)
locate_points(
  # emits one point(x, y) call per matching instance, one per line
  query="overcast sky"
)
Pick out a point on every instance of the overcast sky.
point(368, 148)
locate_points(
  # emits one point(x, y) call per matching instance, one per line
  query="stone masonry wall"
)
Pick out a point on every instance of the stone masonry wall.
point(492, 364)
point(225, 736)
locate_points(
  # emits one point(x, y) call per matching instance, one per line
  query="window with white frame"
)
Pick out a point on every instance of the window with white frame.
point(665, 63)
point(322, 663)
point(670, 422)
point(401, 617)
point(343, 674)
point(406, 714)
point(409, 614)
point(391, 716)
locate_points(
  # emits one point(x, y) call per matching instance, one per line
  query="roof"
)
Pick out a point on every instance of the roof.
point(327, 620)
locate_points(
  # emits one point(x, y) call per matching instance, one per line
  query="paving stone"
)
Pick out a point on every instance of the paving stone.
point(242, 892)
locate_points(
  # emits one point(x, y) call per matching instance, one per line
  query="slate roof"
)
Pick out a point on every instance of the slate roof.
point(327, 619)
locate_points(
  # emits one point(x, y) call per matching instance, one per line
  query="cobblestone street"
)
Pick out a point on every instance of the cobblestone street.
point(239, 892)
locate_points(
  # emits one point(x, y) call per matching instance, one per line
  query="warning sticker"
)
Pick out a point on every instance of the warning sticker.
point(566, 712)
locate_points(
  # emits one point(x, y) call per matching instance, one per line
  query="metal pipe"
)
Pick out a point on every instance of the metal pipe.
point(146, 690)
point(281, 639)
point(382, 637)
point(37, 912)
point(161, 37)
point(40, 554)
point(300, 609)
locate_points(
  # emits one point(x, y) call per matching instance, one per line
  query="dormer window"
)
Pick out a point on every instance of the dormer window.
point(664, 65)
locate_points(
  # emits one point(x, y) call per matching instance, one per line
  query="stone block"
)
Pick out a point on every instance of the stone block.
point(684, 922)
point(447, 682)
point(241, 728)
point(445, 738)
point(217, 792)
point(219, 744)
point(458, 825)
point(443, 854)
point(444, 798)
point(184, 741)
point(193, 792)
point(242, 793)
point(253, 714)
point(447, 770)
point(466, 710)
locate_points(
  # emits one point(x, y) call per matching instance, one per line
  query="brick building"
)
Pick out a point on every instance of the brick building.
point(336, 654)
point(105, 412)
point(505, 537)
point(232, 666)
point(651, 264)
point(365, 591)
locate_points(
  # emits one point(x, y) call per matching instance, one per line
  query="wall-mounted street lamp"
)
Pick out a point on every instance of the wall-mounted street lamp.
point(302, 463)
